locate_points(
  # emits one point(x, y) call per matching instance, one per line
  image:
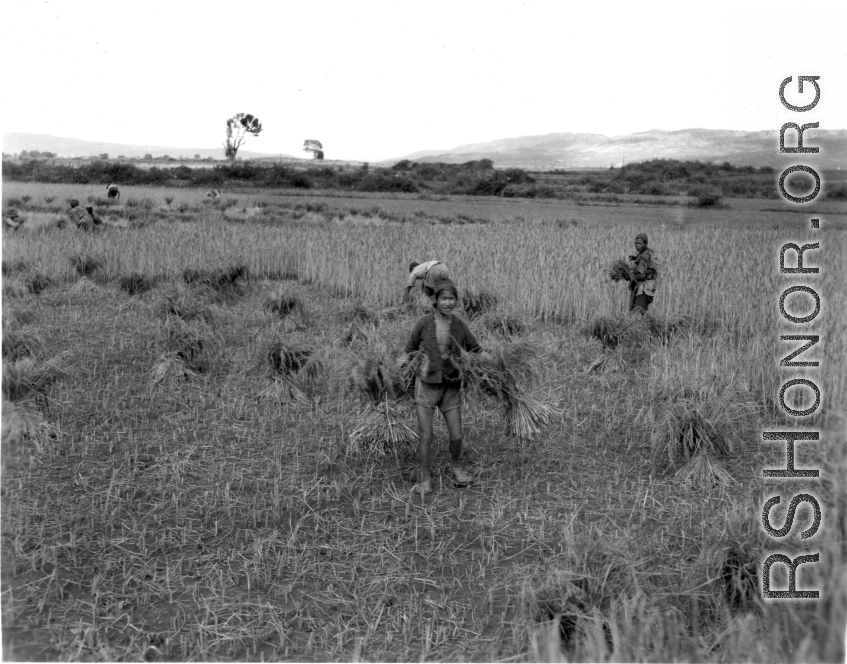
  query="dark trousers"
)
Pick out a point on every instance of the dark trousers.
point(639, 302)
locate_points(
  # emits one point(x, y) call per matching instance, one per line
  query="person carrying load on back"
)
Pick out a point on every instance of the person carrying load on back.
point(428, 274)
point(78, 216)
point(642, 276)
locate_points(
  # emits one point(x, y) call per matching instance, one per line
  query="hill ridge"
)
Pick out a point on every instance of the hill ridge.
point(15, 142)
point(587, 150)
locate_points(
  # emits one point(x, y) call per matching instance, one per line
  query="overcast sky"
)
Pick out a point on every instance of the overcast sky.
point(376, 80)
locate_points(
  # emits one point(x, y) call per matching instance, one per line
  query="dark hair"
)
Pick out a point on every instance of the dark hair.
point(413, 265)
point(445, 285)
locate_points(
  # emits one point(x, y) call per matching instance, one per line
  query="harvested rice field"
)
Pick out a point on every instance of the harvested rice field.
point(209, 451)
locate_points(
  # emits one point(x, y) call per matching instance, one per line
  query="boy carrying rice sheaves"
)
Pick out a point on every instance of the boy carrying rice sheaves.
point(429, 274)
point(642, 276)
point(441, 336)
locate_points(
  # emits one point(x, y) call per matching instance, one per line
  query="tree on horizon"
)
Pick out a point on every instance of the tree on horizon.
point(237, 128)
point(314, 148)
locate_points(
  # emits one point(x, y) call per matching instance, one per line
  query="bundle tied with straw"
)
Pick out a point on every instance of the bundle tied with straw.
point(499, 375)
point(290, 369)
point(698, 426)
point(618, 270)
point(381, 430)
point(383, 386)
point(703, 471)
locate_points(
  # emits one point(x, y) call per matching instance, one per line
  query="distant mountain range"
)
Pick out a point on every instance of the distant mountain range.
point(14, 143)
point(567, 150)
point(545, 152)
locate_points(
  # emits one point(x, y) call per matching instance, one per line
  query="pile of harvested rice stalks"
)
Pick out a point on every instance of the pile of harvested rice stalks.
point(620, 330)
point(416, 364)
point(476, 303)
point(290, 368)
point(618, 270)
point(703, 472)
point(499, 375)
point(283, 390)
point(377, 379)
point(23, 422)
point(685, 431)
point(609, 361)
point(172, 366)
point(373, 378)
point(526, 416)
point(381, 430)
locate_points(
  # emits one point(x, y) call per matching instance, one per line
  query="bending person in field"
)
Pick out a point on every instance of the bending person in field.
point(428, 274)
point(642, 276)
point(440, 335)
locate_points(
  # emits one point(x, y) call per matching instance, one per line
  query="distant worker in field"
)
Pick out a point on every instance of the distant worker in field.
point(642, 276)
point(428, 274)
point(97, 221)
point(440, 335)
point(76, 214)
point(12, 220)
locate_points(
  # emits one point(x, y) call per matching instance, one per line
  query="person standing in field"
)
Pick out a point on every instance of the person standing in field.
point(441, 335)
point(428, 274)
point(642, 276)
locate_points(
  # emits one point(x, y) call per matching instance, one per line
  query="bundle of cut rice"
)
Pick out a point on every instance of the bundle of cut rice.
point(507, 326)
point(24, 423)
point(290, 368)
point(30, 378)
point(687, 431)
point(382, 431)
point(416, 365)
point(498, 375)
point(185, 349)
point(608, 362)
point(619, 330)
point(19, 343)
point(376, 376)
point(170, 366)
point(287, 361)
point(282, 390)
point(283, 303)
point(525, 416)
point(618, 270)
point(476, 302)
point(704, 472)
point(359, 332)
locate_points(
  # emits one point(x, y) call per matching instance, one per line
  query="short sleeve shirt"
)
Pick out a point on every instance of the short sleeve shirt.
point(420, 272)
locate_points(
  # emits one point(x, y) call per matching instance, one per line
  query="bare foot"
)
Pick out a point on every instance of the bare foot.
point(423, 488)
point(461, 476)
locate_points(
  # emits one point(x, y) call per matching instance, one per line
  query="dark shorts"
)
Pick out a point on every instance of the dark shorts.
point(641, 301)
point(431, 395)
